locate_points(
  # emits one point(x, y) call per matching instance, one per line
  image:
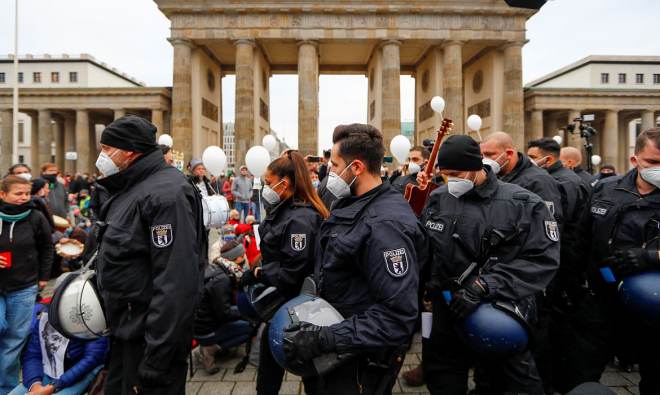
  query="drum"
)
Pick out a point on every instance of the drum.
point(70, 249)
point(61, 224)
point(216, 211)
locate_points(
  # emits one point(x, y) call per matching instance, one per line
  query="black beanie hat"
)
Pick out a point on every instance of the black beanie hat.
point(130, 133)
point(460, 152)
point(37, 184)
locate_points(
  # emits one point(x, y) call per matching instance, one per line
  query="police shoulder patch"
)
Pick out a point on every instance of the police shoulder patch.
point(550, 205)
point(552, 230)
point(298, 241)
point(162, 235)
point(396, 262)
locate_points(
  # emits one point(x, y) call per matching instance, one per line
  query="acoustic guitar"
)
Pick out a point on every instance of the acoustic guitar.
point(417, 195)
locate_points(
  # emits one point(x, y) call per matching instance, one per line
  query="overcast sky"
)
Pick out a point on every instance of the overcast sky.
point(131, 35)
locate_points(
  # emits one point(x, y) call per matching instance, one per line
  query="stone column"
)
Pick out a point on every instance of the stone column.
point(308, 97)
point(157, 120)
point(453, 83)
point(6, 139)
point(59, 144)
point(648, 120)
point(611, 141)
point(119, 112)
point(514, 115)
point(69, 142)
point(574, 139)
point(82, 141)
point(536, 131)
point(34, 142)
point(244, 118)
point(45, 136)
point(391, 91)
point(182, 97)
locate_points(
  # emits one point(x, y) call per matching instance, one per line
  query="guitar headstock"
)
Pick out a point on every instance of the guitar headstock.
point(445, 128)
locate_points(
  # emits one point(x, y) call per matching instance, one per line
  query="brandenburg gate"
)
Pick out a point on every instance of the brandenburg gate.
point(468, 51)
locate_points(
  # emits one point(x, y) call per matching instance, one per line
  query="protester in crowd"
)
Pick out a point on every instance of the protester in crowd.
point(26, 255)
point(323, 168)
point(241, 190)
point(571, 158)
point(57, 198)
point(417, 159)
point(288, 238)
point(226, 188)
point(152, 248)
point(199, 179)
point(39, 196)
point(21, 170)
point(69, 366)
point(246, 230)
point(255, 204)
point(606, 171)
point(167, 153)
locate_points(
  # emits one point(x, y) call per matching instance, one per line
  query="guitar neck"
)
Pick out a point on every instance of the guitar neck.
point(436, 147)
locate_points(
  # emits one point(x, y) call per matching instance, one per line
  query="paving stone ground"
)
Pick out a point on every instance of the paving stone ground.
point(225, 382)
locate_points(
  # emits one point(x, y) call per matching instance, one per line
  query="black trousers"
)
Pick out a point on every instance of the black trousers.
point(270, 374)
point(123, 378)
point(360, 376)
point(601, 327)
point(447, 360)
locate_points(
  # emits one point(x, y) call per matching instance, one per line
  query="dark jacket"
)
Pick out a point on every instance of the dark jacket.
point(150, 257)
point(207, 184)
point(58, 201)
point(371, 251)
point(400, 182)
point(584, 175)
point(214, 309)
point(326, 196)
point(519, 267)
point(80, 359)
point(618, 217)
point(31, 250)
point(536, 180)
point(288, 236)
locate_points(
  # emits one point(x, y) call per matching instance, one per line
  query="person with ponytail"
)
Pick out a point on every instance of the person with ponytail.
point(288, 235)
point(26, 255)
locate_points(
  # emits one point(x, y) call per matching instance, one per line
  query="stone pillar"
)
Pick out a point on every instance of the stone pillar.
point(574, 139)
point(611, 138)
point(391, 91)
point(453, 83)
point(45, 136)
point(244, 118)
point(82, 141)
point(536, 131)
point(157, 120)
point(69, 142)
point(119, 112)
point(34, 142)
point(59, 144)
point(308, 97)
point(6, 139)
point(182, 97)
point(514, 115)
point(648, 119)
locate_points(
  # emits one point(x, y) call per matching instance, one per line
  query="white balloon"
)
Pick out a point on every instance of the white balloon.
point(596, 159)
point(214, 159)
point(166, 139)
point(257, 159)
point(438, 104)
point(558, 139)
point(474, 122)
point(270, 142)
point(400, 148)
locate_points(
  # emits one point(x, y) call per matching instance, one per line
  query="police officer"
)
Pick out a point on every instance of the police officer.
point(571, 157)
point(288, 236)
point(371, 250)
point(460, 217)
point(417, 159)
point(151, 237)
point(621, 230)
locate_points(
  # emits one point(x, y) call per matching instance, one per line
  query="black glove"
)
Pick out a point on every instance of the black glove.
point(635, 260)
point(467, 299)
point(248, 278)
point(304, 341)
point(150, 377)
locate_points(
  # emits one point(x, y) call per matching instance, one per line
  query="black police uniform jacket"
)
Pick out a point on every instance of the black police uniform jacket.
point(516, 269)
point(618, 218)
point(537, 180)
point(584, 175)
point(372, 248)
point(288, 236)
point(149, 262)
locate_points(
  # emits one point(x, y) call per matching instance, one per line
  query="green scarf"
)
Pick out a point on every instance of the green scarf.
point(15, 217)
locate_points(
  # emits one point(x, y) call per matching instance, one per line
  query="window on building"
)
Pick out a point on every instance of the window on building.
point(20, 77)
point(73, 76)
point(622, 78)
point(55, 77)
point(604, 78)
point(21, 158)
point(639, 78)
point(656, 78)
point(21, 133)
point(2, 78)
point(36, 77)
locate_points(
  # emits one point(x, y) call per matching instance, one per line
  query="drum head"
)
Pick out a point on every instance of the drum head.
point(216, 211)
